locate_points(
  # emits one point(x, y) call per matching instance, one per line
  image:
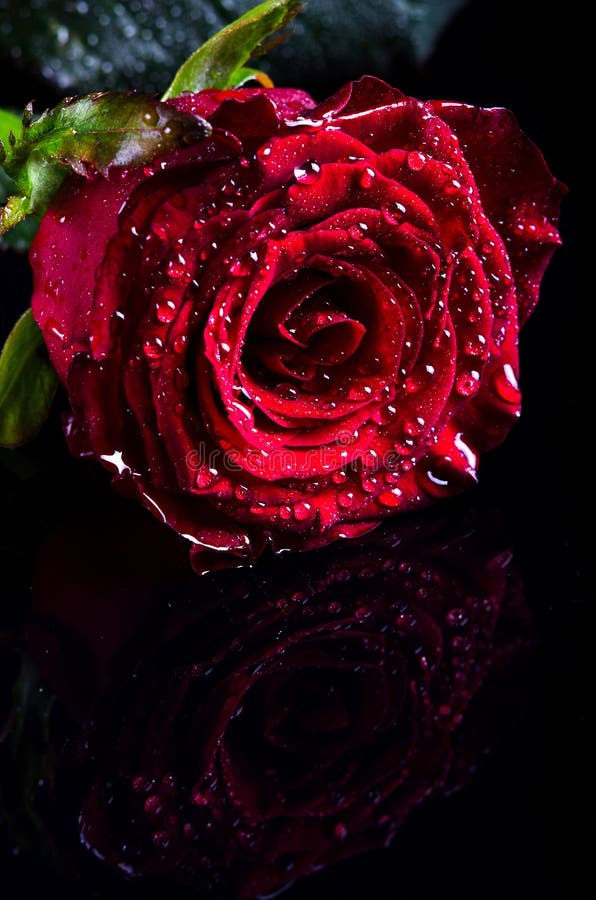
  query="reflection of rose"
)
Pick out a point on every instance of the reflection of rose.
point(287, 719)
point(305, 323)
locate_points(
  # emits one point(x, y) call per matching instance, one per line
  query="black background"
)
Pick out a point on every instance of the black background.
point(520, 829)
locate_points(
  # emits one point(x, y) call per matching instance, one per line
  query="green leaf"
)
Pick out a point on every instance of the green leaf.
point(109, 44)
point(89, 134)
point(27, 383)
point(219, 63)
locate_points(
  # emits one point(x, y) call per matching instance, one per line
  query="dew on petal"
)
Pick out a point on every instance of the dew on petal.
point(367, 177)
point(391, 498)
point(302, 511)
point(153, 347)
point(339, 476)
point(457, 618)
point(153, 805)
point(415, 161)
point(166, 311)
point(308, 172)
point(206, 477)
point(467, 383)
point(179, 343)
point(506, 385)
point(476, 345)
point(393, 212)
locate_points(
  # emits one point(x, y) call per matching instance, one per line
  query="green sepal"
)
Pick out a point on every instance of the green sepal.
point(88, 135)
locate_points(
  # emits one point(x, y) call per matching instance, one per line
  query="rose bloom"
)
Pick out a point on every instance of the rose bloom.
point(305, 322)
point(269, 723)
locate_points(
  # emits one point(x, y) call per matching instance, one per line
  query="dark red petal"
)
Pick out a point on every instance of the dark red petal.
point(358, 96)
point(285, 105)
point(518, 192)
point(69, 246)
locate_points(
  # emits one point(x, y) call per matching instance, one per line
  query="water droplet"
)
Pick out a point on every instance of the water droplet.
point(153, 805)
point(505, 384)
point(414, 427)
point(339, 476)
point(457, 618)
point(360, 392)
point(165, 311)
point(179, 343)
point(241, 492)
point(369, 483)
point(340, 831)
point(153, 347)
point(391, 498)
point(467, 383)
point(476, 345)
point(160, 840)
point(394, 212)
point(199, 799)
point(345, 499)
point(308, 172)
point(205, 477)
point(367, 176)
point(285, 512)
point(176, 269)
point(415, 161)
point(151, 117)
point(302, 511)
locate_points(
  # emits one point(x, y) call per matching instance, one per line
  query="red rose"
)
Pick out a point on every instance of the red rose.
point(235, 746)
point(308, 321)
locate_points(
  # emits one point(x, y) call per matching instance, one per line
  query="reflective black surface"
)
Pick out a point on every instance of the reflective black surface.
point(519, 826)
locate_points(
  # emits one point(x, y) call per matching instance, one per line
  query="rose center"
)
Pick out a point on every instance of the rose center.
point(305, 330)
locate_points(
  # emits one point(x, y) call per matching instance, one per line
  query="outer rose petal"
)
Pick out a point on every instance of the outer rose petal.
point(83, 217)
point(518, 192)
